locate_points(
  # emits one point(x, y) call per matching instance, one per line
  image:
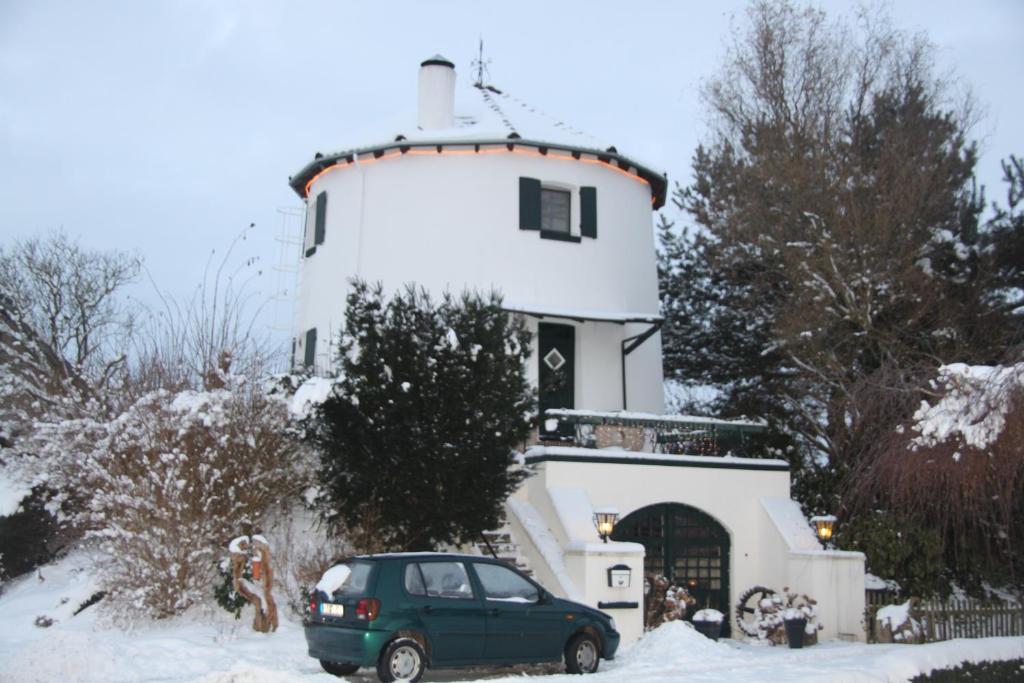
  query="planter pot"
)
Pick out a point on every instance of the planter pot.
point(795, 632)
point(708, 629)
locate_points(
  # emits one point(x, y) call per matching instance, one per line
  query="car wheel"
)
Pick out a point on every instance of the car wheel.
point(581, 654)
point(339, 668)
point(403, 660)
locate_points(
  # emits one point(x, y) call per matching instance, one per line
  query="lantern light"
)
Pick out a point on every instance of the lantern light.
point(824, 525)
point(604, 520)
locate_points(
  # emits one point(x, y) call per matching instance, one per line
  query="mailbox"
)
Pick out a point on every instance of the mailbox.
point(619, 576)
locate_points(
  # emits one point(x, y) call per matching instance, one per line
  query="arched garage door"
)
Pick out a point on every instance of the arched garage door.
point(687, 546)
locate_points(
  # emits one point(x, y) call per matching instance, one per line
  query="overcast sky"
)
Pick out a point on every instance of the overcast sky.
point(167, 127)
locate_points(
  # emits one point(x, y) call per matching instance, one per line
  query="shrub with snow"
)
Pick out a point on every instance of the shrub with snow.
point(664, 601)
point(166, 482)
point(896, 625)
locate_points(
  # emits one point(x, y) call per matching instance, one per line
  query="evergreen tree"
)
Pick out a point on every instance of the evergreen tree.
point(417, 438)
point(834, 256)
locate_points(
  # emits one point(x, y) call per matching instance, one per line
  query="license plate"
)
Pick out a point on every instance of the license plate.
point(330, 610)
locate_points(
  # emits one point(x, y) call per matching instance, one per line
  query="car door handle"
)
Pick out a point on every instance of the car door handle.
point(428, 609)
point(494, 612)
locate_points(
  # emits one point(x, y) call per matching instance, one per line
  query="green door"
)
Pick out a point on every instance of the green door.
point(556, 354)
point(519, 627)
point(686, 546)
point(451, 613)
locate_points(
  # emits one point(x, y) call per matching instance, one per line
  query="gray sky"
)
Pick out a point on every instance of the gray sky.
point(166, 128)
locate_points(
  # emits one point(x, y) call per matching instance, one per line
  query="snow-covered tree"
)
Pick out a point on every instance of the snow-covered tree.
point(170, 479)
point(835, 229)
point(416, 441)
point(63, 332)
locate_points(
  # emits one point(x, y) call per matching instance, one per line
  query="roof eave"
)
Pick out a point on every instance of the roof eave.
point(658, 181)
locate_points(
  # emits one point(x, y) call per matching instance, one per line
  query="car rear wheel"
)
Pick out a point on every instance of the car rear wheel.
point(339, 668)
point(582, 654)
point(403, 660)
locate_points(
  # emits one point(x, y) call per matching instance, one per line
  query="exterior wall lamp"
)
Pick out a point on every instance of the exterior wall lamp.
point(824, 525)
point(604, 520)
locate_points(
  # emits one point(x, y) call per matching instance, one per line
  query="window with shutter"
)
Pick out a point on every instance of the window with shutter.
point(529, 204)
point(321, 218)
point(310, 348)
point(588, 212)
point(308, 245)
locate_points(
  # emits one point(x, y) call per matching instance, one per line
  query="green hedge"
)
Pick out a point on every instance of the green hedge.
point(983, 672)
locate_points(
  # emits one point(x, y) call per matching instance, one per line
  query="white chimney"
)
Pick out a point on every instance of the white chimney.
point(437, 94)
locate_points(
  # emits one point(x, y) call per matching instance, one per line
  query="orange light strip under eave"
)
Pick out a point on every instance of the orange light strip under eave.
point(467, 152)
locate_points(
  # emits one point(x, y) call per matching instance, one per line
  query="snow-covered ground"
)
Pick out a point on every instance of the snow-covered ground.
point(214, 648)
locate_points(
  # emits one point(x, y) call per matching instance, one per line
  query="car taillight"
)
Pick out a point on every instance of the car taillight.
point(368, 609)
point(312, 602)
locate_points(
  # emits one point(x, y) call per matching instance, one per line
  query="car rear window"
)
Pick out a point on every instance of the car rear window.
point(346, 578)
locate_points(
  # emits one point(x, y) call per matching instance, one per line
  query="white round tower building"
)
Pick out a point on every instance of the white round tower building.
point(480, 192)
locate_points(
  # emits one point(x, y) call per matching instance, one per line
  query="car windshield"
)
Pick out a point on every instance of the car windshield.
point(346, 578)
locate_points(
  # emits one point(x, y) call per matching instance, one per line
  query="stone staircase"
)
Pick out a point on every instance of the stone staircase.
point(504, 545)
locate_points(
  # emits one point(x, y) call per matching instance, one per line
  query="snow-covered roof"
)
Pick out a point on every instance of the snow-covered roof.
point(484, 115)
point(580, 314)
point(789, 519)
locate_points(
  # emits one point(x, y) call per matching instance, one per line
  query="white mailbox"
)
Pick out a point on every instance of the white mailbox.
point(619, 576)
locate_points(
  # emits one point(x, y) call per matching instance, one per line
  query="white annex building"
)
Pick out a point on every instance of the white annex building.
point(479, 190)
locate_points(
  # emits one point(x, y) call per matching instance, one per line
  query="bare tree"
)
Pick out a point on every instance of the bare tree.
point(68, 297)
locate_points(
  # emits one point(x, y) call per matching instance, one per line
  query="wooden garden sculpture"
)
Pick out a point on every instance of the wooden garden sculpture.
point(265, 619)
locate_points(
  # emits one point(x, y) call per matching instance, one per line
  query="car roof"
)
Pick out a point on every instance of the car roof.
point(421, 555)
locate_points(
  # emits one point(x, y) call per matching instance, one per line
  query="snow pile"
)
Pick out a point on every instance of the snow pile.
point(675, 645)
point(11, 494)
point(309, 395)
point(974, 406)
point(708, 614)
point(334, 578)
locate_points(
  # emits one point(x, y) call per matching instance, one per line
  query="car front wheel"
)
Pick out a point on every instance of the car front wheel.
point(403, 660)
point(339, 668)
point(581, 654)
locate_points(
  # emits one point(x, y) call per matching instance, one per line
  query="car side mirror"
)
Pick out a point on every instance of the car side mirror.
point(544, 599)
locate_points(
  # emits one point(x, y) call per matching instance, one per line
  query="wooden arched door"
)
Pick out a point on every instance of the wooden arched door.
point(688, 547)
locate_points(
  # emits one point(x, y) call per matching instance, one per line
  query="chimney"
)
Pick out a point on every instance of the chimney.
point(437, 94)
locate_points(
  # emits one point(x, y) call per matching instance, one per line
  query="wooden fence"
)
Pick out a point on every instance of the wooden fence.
point(968, 618)
point(956, 618)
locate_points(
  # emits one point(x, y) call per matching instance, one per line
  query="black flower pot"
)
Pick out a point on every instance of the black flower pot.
point(708, 629)
point(795, 632)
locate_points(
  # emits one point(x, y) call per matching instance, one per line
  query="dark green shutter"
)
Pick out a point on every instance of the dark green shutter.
point(588, 211)
point(310, 350)
point(529, 204)
point(321, 218)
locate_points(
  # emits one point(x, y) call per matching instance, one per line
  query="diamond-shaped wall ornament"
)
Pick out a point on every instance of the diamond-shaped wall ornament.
point(554, 359)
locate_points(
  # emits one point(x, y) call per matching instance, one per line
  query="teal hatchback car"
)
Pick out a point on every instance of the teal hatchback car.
point(405, 612)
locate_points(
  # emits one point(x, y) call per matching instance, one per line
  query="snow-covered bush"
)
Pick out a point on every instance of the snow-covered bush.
point(166, 482)
point(894, 624)
point(951, 474)
point(772, 610)
point(664, 601)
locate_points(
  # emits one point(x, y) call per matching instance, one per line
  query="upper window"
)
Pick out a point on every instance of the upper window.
point(504, 585)
point(554, 210)
point(550, 210)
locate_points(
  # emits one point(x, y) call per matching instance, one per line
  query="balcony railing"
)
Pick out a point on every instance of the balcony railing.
point(650, 433)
